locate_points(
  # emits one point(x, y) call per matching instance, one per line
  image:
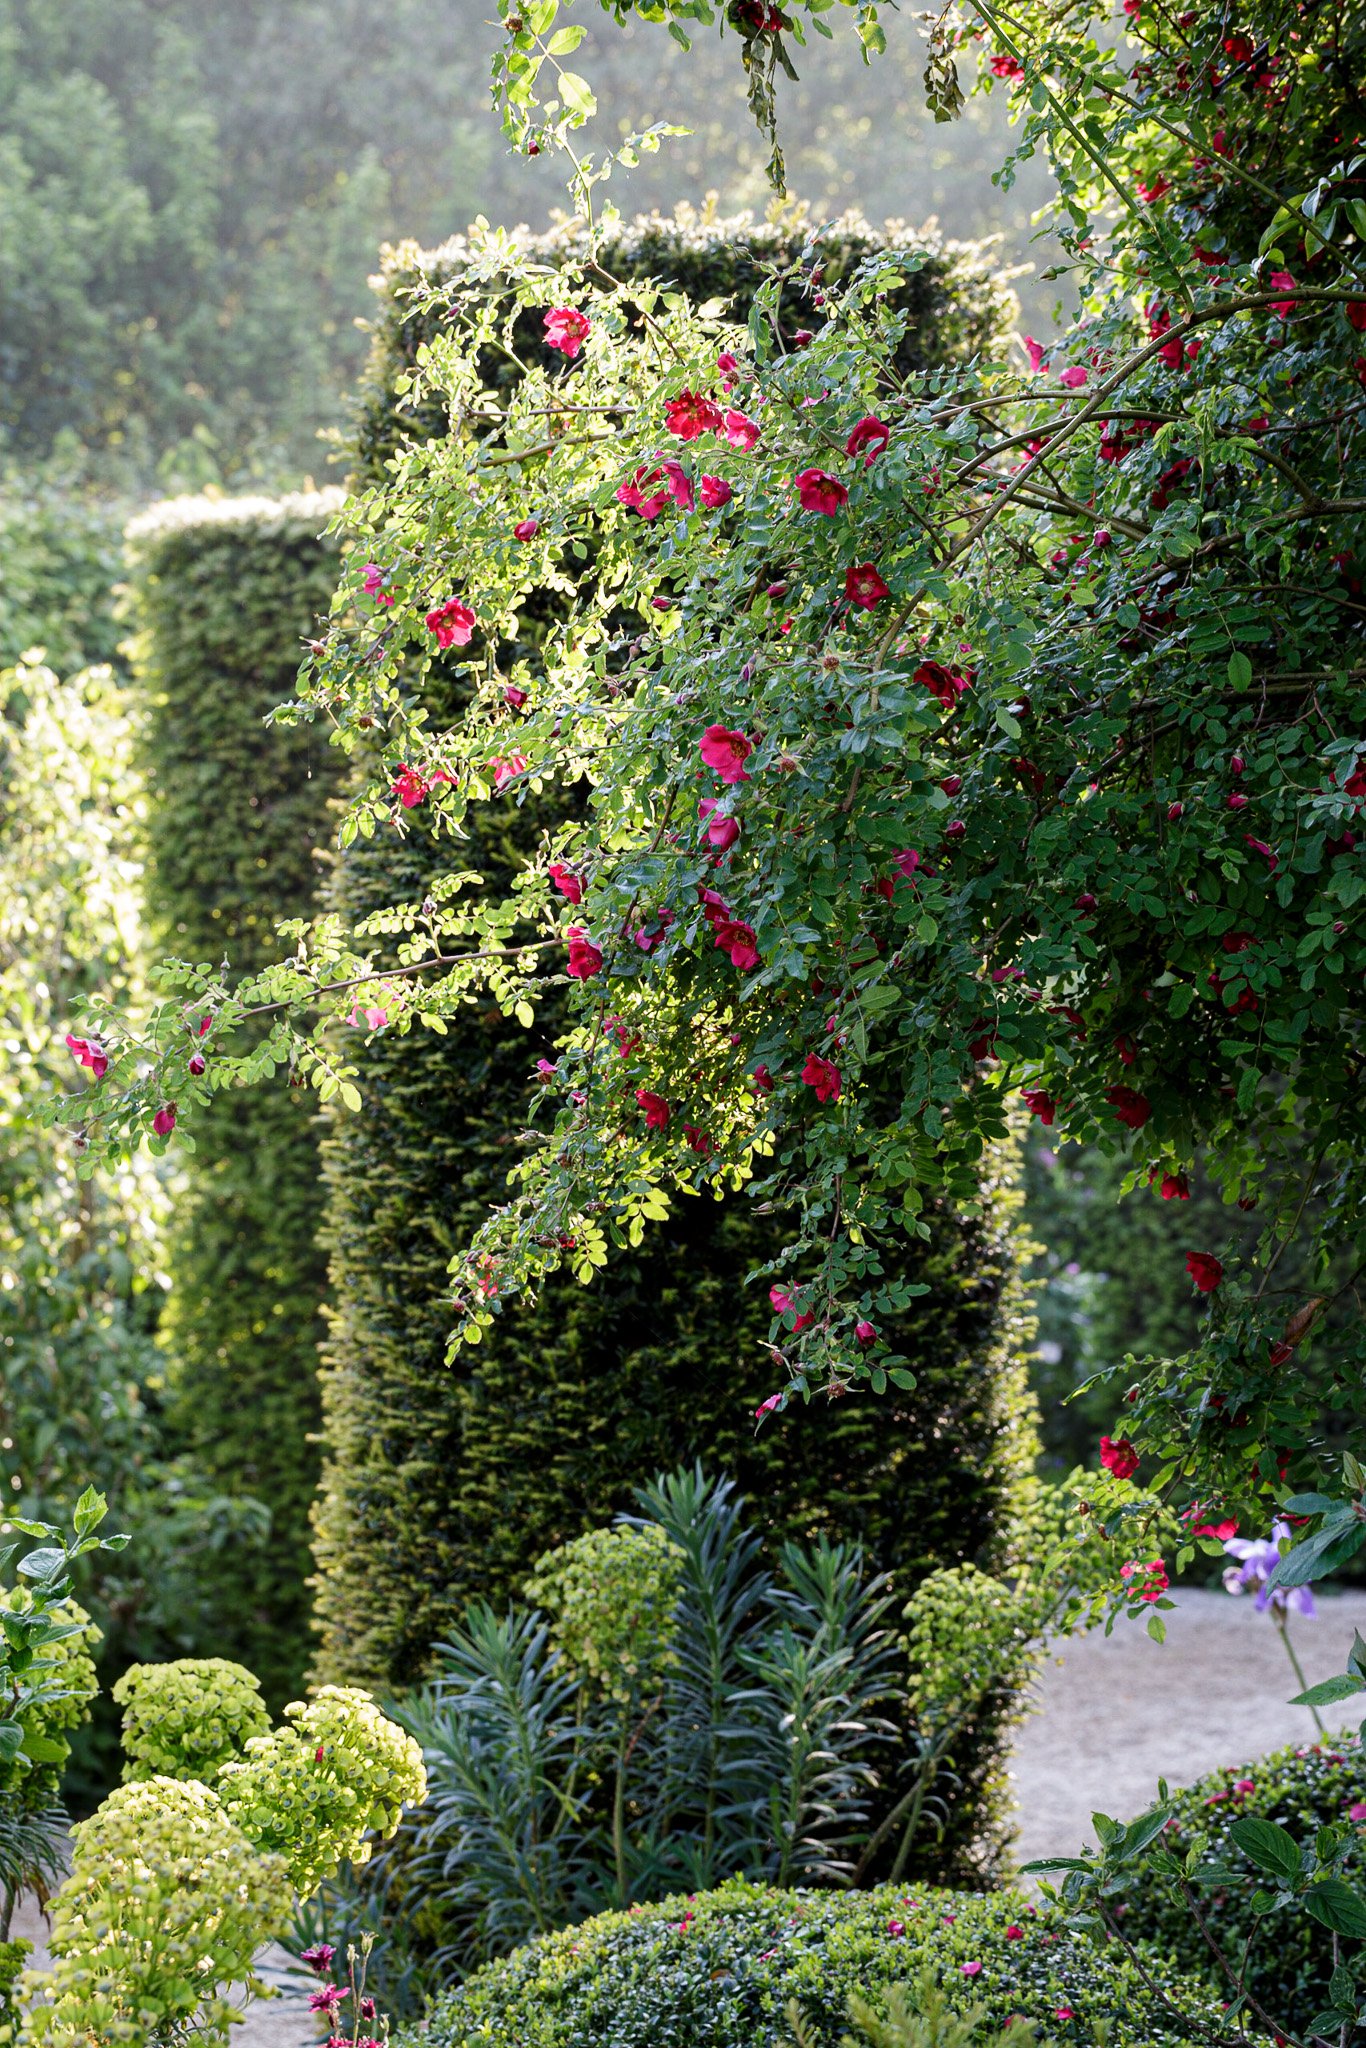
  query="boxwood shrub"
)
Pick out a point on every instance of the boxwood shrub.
point(718, 1970)
point(1291, 1960)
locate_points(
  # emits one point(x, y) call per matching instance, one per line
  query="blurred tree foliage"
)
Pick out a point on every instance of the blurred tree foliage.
point(191, 199)
point(80, 1261)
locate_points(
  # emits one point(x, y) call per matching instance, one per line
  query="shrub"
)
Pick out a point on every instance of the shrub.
point(1291, 1958)
point(611, 1596)
point(187, 1719)
point(719, 1970)
point(440, 1488)
point(166, 1899)
point(223, 590)
point(31, 1781)
point(311, 1790)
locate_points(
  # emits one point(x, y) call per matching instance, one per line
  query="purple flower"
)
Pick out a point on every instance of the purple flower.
point(319, 1957)
point(1258, 1559)
point(327, 2000)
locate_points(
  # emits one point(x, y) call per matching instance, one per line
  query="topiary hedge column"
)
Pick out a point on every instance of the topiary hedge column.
point(237, 824)
point(442, 1484)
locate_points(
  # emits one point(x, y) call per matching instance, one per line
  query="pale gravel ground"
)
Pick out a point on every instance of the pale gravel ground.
point(1115, 1714)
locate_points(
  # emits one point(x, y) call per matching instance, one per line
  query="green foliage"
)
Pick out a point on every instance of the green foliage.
point(1290, 1958)
point(610, 1595)
point(13, 1955)
point(312, 1789)
point(62, 556)
point(31, 1779)
point(921, 2017)
point(720, 1969)
point(234, 833)
point(187, 1719)
point(167, 1900)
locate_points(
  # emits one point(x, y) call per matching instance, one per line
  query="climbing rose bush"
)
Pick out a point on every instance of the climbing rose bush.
point(953, 746)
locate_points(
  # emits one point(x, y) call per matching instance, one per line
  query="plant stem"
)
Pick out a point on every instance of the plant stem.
point(1281, 1623)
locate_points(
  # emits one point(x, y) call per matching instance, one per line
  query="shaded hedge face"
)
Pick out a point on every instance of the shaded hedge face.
point(237, 824)
point(444, 1484)
point(1291, 1959)
point(718, 1971)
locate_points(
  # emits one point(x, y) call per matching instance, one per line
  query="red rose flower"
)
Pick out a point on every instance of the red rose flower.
point(868, 439)
point(947, 684)
point(1129, 1106)
point(739, 429)
point(1041, 1103)
point(1204, 1270)
point(409, 787)
point(820, 492)
point(726, 752)
point(163, 1123)
point(655, 1107)
point(737, 939)
point(784, 1305)
point(863, 586)
point(715, 492)
point(722, 832)
point(89, 1053)
point(1175, 1187)
point(567, 882)
point(866, 1334)
point(1118, 1455)
point(690, 415)
point(526, 529)
point(585, 959)
point(567, 329)
point(822, 1075)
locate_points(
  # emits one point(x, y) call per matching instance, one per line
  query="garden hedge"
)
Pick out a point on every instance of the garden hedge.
point(223, 590)
point(719, 1970)
point(443, 1485)
point(1291, 1960)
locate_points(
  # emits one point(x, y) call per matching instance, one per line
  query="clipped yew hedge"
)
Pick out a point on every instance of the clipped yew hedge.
point(237, 825)
point(444, 1484)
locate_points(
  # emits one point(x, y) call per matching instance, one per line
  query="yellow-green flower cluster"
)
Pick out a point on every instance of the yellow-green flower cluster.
point(611, 1597)
point(166, 1902)
point(189, 1718)
point(312, 1789)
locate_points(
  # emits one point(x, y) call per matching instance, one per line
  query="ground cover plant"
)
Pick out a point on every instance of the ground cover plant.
point(726, 1968)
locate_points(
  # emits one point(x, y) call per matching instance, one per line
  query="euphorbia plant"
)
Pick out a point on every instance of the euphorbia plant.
point(953, 745)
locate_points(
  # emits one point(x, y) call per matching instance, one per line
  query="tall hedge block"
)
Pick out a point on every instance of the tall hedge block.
point(444, 1484)
point(223, 591)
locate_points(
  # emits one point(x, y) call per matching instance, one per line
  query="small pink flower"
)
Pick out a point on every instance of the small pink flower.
point(567, 329)
point(506, 770)
point(197, 1063)
point(546, 1069)
point(514, 697)
point(715, 492)
point(722, 832)
point(971, 1969)
point(767, 1407)
point(896, 1927)
point(368, 1020)
point(1072, 378)
point(727, 369)
point(1357, 1811)
point(163, 1123)
point(410, 787)
point(372, 583)
point(89, 1053)
point(1036, 351)
point(741, 431)
point(783, 1305)
point(451, 623)
point(526, 529)
point(566, 881)
point(1064, 2012)
point(1014, 1934)
point(690, 415)
point(865, 1333)
point(762, 1081)
point(820, 492)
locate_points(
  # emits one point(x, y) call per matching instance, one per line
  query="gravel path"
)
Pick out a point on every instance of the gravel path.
point(1114, 1714)
point(1117, 1713)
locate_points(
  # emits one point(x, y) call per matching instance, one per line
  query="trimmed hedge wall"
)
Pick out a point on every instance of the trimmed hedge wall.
point(223, 589)
point(720, 1969)
point(441, 1484)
